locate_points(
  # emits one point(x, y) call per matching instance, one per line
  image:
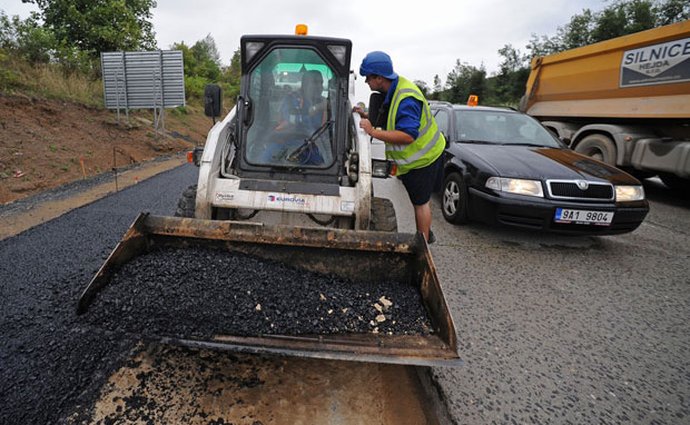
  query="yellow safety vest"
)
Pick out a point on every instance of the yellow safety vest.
point(428, 145)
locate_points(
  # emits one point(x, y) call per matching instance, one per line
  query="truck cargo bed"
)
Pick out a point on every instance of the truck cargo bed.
point(375, 257)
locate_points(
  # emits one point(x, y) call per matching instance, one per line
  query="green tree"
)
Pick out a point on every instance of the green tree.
point(620, 18)
point(438, 87)
point(423, 87)
point(96, 26)
point(464, 80)
point(202, 66)
point(509, 84)
point(231, 75)
point(578, 32)
point(671, 11)
point(26, 38)
point(201, 59)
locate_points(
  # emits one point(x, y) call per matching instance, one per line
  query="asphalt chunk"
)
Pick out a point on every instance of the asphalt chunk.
point(201, 292)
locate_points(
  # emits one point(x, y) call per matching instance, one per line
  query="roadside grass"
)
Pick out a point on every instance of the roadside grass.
point(48, 81)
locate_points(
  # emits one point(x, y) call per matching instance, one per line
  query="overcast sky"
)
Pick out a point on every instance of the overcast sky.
point(423, 41)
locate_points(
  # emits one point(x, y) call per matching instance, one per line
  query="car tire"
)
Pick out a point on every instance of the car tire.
point(454, 200)
point(187, 203)
point(599, 147)
point(383, 215)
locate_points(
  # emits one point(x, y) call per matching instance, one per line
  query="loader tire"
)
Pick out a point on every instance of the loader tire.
point(383, 215)
point(187, 203)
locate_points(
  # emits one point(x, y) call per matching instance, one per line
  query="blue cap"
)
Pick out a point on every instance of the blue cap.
point(377, 63)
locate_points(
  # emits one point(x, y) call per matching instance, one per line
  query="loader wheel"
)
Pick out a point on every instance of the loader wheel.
point(383, 215)
point(187, 203)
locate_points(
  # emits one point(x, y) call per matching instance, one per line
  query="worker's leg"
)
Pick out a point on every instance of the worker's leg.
point(422, 217)
point(420, 183)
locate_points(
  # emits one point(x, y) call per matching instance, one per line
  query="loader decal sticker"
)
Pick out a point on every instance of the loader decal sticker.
point(285, 199)
point(224, 197)
point(657, 64)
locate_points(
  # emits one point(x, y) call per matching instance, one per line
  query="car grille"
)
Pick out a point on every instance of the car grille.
point(568, 189)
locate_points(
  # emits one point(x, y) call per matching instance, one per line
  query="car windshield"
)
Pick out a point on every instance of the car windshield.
point(292, 95)
point(501, 128)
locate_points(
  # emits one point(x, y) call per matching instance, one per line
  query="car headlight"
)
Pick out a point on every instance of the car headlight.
point(517, 186)
point(629, 193)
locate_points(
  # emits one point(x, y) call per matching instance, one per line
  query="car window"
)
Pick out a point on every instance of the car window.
point(499, 127)
point(443, 121)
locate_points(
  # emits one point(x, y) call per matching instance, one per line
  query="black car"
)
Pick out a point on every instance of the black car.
point(502, 166)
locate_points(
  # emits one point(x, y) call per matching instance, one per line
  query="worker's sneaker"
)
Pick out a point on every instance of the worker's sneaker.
point(432, 237)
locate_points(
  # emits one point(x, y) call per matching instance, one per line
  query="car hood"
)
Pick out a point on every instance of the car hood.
point(546, 163)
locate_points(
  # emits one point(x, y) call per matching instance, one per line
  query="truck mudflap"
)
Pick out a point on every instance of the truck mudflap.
point(342, 253)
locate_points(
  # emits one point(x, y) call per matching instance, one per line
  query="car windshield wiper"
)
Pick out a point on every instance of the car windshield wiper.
point(478, 142)
point(536, 145)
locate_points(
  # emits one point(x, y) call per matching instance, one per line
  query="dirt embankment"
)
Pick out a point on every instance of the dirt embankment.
point(47, 143)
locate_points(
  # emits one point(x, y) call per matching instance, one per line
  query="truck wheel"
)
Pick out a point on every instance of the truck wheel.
point(383, 215)
point(187, 203)
point(675, 183)
point(454, 200)
point(598, 147)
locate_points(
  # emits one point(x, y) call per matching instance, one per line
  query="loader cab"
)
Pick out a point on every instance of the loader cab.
point(292, 115)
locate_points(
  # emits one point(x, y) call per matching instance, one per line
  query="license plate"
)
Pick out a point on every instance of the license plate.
point(599, 218)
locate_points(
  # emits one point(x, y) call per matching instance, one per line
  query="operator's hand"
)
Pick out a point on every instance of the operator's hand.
point(365, 125)
point(360, 111)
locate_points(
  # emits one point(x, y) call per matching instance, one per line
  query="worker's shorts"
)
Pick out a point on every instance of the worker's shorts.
point(420, 183)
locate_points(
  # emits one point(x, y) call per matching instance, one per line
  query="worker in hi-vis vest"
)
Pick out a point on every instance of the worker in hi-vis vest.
point(412, 137)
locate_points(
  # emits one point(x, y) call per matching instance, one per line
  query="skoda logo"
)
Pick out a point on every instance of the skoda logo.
point(583, 185)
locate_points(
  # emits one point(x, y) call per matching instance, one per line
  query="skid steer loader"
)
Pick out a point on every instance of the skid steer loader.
point(291, 151)
point(291, 148)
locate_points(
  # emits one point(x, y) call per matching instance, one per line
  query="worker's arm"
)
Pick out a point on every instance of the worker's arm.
point(406, 124)
point(394, 137)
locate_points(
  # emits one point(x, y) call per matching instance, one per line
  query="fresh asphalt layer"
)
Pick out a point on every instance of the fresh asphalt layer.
point(552, 329)
point(52, 361)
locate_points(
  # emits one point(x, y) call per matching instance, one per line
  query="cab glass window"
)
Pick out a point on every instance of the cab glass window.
point(292, 92)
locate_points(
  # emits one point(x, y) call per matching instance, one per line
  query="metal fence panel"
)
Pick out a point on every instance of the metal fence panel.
point(134, 80)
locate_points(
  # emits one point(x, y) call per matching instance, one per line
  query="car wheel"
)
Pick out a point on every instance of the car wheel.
point(187, 203)
point(598, 147)
point(454, 199)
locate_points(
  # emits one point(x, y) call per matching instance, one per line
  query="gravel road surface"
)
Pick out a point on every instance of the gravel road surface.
point(570, 330)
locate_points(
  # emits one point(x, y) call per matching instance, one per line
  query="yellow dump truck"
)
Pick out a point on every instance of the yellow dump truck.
point(624, 101)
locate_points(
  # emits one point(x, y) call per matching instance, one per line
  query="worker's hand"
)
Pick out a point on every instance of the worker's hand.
point(365, 125)
point(360, 111)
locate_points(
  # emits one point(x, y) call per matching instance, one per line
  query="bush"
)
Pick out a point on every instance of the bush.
point(194, 87)
point(8, 78)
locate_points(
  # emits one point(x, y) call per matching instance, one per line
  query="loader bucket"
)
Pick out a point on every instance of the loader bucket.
point(344, 254)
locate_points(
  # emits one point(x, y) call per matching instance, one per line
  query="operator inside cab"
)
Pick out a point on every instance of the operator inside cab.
point(293, 110)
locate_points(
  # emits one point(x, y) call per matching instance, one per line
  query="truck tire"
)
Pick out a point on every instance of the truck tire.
point(599, 147)
point(187, 203)
point(454, 199)
point(383, 215)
